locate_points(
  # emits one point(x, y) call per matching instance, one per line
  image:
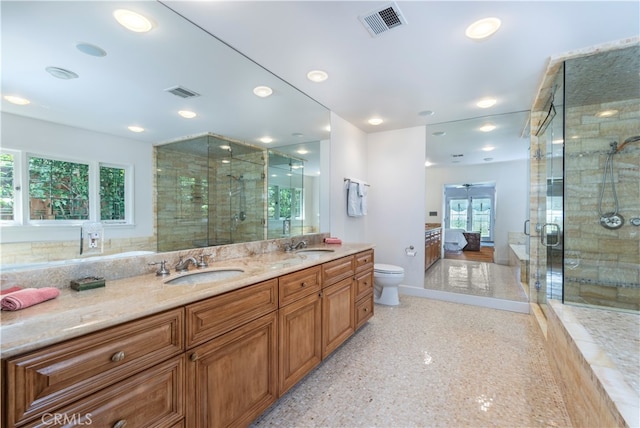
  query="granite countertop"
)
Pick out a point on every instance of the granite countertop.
point(76, 313)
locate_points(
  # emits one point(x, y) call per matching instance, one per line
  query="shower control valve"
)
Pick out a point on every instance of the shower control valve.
point(634, 221)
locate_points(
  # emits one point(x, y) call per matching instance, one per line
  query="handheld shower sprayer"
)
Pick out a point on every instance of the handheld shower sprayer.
point(627, 141)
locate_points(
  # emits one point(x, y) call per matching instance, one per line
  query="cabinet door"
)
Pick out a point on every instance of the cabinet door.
point(298, 284)
point(300, 331)
point(338, 318)
point(364, 309)
point(57, 375)
point(153, 398)
point(233, 378)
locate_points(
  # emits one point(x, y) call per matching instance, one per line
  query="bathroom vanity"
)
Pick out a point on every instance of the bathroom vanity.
point(432, 244)
point(146, 352)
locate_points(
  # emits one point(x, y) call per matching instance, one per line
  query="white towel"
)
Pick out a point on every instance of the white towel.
point(362, 191)
point(354, 207)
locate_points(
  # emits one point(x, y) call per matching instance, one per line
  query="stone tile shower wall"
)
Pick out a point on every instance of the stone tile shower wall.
point(237, 205)
point(602, 266)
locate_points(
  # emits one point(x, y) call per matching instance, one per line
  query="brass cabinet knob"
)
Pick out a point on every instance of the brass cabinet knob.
point(194, 357)
point(118, 356)
point(120, 424)
point(303, 284)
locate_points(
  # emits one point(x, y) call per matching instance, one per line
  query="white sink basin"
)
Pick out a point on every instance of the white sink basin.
point(314, 252)
point(208, 276)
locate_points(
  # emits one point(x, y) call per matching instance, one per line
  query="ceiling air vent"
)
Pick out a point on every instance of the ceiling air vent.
point(182, 92)
point(382, 19)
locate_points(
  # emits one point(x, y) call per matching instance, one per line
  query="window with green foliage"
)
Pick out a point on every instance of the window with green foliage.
point(112, 193)
point(58, 190)
point(284, 203)
point(62, 190)
point(7, 186)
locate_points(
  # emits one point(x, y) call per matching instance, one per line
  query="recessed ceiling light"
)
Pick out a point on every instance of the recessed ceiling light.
point(134, 128)
point(439, 133)
point(487, 127)
point(486, 102)
point(327, 128)
point(483, 28)
point(426, 113)
point(427, 163)
point(266, 140)
point(488, 148)
point(317, 76)
point(375, 121)
point(61, 73)
point(302, 152)
point(607, 113)
point(132, 21)
point(226, 161)
point(262, 91)
point(187, 114)
point(89, 49)
point(17, 100)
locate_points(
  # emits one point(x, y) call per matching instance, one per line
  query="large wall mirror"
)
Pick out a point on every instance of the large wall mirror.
point(89, 79)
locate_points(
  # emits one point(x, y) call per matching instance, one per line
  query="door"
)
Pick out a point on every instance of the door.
point(547, 181)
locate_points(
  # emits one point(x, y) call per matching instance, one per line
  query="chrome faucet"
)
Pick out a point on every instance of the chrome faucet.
point(291, 247)
point(183, 265)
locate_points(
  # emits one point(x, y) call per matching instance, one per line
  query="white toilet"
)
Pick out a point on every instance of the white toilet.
point(386, 279)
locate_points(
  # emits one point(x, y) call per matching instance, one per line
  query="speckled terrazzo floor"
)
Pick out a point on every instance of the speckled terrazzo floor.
point(475, 278)
point(429, 363)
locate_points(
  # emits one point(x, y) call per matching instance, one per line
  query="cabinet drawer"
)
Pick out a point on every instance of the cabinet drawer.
point(364, 260)
point(337, 270)
point(299, 284)
point(364, 283)
point(364, 309)
point(153, 398)
point(215, 316)
point(60, 374)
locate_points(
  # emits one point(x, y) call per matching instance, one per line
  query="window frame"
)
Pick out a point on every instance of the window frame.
point(22, 213)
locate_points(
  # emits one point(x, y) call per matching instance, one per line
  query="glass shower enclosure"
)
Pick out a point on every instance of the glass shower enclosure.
point(585, 183)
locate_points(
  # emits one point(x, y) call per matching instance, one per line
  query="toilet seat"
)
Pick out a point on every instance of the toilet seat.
point(387, 269)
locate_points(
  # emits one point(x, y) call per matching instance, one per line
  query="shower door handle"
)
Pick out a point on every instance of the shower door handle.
point(525, 227)
point(555, 232)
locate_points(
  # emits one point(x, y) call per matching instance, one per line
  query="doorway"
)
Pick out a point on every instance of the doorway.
point(471, 207)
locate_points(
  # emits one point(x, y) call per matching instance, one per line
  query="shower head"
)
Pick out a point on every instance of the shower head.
point(627, 141)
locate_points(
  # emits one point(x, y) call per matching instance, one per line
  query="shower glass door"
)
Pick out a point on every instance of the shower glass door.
point(547, 178)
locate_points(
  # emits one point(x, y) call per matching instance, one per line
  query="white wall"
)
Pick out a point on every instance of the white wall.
point(47, 138)
point(511, 180)
point(396, 199)
point(348, 160)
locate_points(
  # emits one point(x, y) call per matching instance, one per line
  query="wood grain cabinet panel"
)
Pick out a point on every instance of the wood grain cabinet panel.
point(338, 315)
point(296, 285)
point(364, 283)
point(232, 379)
point(337, 270)
point(364, 309)
point(300, 340)
point(153, 398)
point(364, 261)
point(215, 316)
point(55, 376)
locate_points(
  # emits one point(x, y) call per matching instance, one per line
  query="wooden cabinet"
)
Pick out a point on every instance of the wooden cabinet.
point(233, 378)
point(212, 317)
point(300, 340)
point(46, 380)
point(215, 363)
point(338, 315)
point(432, 246)
point(152, 398)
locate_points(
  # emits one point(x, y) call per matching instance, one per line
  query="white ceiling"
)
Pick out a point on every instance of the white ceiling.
point(427, 64)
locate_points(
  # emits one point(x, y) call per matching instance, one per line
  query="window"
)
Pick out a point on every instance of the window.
point(112, 193)
point(58, 190)
point(284, 203)
point(7, 186)
point(62, 191)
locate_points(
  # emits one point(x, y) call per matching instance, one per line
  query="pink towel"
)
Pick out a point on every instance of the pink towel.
point(333, 240)
point(10, 290)
point(27, 297)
